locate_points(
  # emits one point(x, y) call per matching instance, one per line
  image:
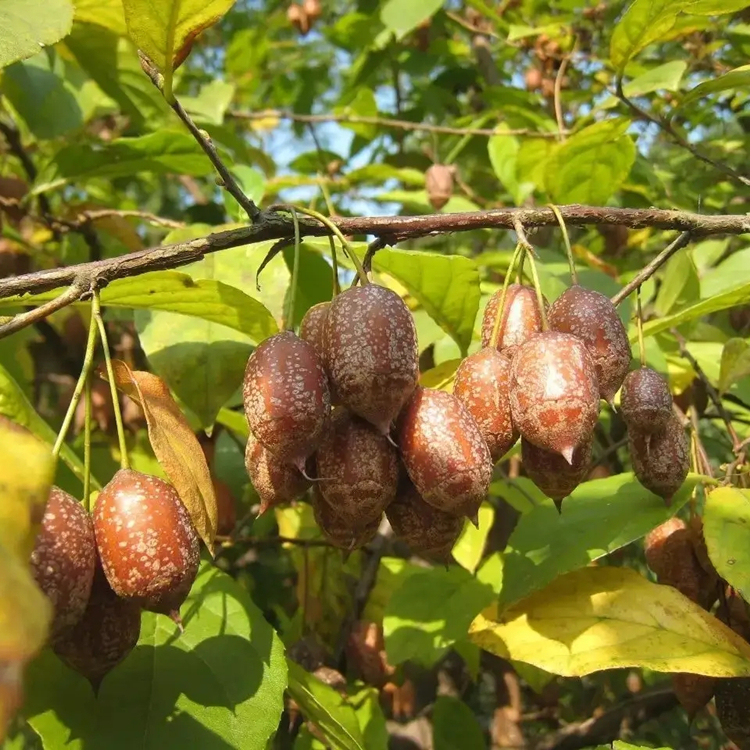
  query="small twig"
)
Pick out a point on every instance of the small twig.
point(649, 270)
point(558, 92)
point(700, 448)
point(374, 247)
point(72, 294)
point(86, 217)
point(494, 338)
point(227, 180)
point(261, 541)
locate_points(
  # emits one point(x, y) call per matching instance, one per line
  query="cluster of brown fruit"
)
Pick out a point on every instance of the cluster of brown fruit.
point(138, 551)
point(302, 16)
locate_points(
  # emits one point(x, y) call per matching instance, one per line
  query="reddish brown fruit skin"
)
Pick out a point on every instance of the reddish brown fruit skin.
point(521, 317)
point(275, 481)
point(694, 691)
point(439, 184)
point(226, 508)
point(365, 651)
point(661, 459)
point(554, 394)
point(482, 384)
point(551, 473)
point(591, 317)
point(645, 401)
point(147, 544)
point(372, 353)
point(104, 636)
point(732, 701)
point(444, 452)
point(427, 530)
point(64, 559)
point(286, 397)
point(358, 470)
point(336, 529)
point(313, 330)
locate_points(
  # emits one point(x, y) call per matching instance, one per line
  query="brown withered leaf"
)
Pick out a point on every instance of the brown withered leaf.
point(176, 448)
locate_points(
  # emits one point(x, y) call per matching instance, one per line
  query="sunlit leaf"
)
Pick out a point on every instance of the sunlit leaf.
point(735, 363)
point(106, 13)
point(401, 16)
point(26, 26)
point(469, 548)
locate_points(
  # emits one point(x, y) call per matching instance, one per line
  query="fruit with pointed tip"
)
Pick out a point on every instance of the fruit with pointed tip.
point(592, 317)
point(552, 473)
point(732, 701)
point(372, 353)
point(427, 530)
point(521, 316)
point(661, 459)
point(438, 181)
point(482, 384)
point(444, 452)
point(147, 544)
point(358, 469)
point(64, 559)
point(336, 529)
point(106, 633)
point(275, 482)
point(693, 691)
point(286, 397)
point(554, 393)
point(645, 401)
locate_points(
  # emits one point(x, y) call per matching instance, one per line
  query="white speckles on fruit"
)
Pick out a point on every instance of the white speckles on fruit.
point(645, 402)
point(337, 529)
point(521, 316)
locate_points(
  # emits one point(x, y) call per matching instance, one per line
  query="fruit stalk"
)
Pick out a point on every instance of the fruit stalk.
point(87, 445)
point(295, 272)
point(566, 240)
point(501, 306)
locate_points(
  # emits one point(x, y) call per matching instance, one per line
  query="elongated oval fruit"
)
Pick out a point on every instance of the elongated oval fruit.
point(591, 317)
point(313, 330)
point(732, 701)
point(427, 530)
point(64, 559)
point(645, 401)
point(106, 633)
point(552, 473)
point(482, 384)
point(275, 482)
point(444, 452)
point(521, 316)
point(286, 396)
point(554, 393)
point(358, 470)
point(372, 353)
point(337, 529)
point(693, 691)
point(661, 459)
point(147, 544)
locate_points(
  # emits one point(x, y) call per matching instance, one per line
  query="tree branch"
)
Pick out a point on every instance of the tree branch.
point(274, 226)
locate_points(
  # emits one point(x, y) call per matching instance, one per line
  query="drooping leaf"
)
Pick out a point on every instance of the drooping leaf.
point(735, 363)
point(174, 445)
point(609, 618)
point(726, 528)
point(455, 726)
point(597, 518)
point(447, 286)
point(469, 548)
point(430, 611)
point(325, 708)
point(402, 16)
point(28, 25)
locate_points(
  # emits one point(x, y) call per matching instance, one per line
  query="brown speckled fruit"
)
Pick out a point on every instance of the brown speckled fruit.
point(64, 559)
point(554, 393)
point(336, 529)
point(732, 701)
point(482, 384)
point(661, 459)
point(444, 452)
point(591, 317)
point(645, 401)
point(438, 180)
point(427, 530)
point(521, 316)
point(104, 636)
point(147, 544)
point(693, 691)
point(371, 353)
point(275, 482)
point(358, 470)
point(287, 401)
point(313, 326)
point(552, 473)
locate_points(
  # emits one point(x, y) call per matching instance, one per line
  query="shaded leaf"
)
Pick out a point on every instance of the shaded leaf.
point(392, 572)
point(366, 704)
point(608, 618)
point(314, 283)
point(28, 25)
point(469, 548)
point(442, 376)
point(252, 184)
point(402, 16)
point(174, 445)
point(454, 726)
point(735, 363)
point(503, 151)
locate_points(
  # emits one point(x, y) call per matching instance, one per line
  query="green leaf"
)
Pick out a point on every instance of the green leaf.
point(362, 105)
point(454, 726)
point(325, 708)
point(592, 164)
point(28, 25)
point(211, 103)
point(253, 185)
point(733, 270)
point(218, 684)
point(726, 528)
point(665, 77)
point(503, 152)
point(402, 16)
point(734, 79)
point(469, 548)
point(599, 517)
point(735, 363)
point(447, 286)
point(392, 573)
point(314, 283)
point(680, 285)
point(164, 152)
point(106, 13)
point(430, 611)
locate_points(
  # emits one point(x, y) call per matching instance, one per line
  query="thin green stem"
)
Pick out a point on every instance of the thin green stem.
point(97, 313)
point(566, 240)
point(537, 288)
point(639, 327)
point(334, 267)
point(88, 360)
point(501, 304)
point(87, 443)
point(295, 273)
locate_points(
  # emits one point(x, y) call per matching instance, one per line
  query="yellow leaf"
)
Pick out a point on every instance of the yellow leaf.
point(106, 13)
point(469, 548)
point(175, 446)
point(605, 618)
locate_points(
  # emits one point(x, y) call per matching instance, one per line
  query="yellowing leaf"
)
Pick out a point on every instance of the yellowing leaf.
point(441, 377)
point(607, 618)
point(469, 548)
point(175, 446)
point(106, 13)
